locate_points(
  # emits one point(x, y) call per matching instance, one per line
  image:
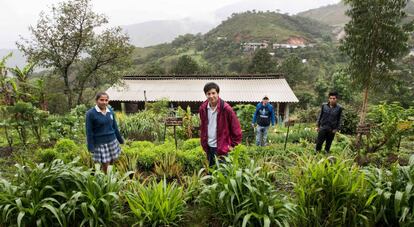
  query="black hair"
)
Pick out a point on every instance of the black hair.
point(99, 94)
point(333, 93)
point(211, 85)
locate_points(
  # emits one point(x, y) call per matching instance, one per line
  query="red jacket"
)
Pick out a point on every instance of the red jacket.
point(228, 127)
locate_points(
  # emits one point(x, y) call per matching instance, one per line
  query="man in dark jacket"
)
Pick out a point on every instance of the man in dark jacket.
point(329, 122)
point(220, 129)
point(263, 116)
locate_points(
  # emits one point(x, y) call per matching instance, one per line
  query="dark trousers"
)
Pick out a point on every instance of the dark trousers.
point(324, 135)
point(211, 156)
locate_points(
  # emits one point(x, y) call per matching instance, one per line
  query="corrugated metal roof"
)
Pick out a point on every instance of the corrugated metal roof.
point(191, 90)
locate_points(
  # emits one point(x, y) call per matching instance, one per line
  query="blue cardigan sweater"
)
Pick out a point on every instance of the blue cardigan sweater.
point(101, 128)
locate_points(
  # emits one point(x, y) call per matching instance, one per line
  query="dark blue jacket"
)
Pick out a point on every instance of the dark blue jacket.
point(101, 128)
point(263, 112)
point(330, 117)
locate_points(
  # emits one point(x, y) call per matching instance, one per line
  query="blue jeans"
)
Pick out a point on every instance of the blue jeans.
point(261, 135)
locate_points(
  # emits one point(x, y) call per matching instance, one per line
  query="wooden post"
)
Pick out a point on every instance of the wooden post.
point(123, 107)
point(145, 100)
point(287, 112)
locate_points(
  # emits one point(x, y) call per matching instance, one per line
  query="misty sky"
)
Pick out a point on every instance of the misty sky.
point(17, 15)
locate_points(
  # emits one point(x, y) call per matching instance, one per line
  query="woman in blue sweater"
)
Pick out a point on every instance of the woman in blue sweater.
point(102, 132)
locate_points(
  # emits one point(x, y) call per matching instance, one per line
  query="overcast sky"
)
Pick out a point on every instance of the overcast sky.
point(17, 15)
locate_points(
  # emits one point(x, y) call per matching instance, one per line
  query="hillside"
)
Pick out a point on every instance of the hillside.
point(271, 26)
point(334, 15)
point(219, 50)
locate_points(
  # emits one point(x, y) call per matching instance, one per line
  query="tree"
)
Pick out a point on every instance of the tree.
point(66, 42)
point(261, 62)
point(293, 69)
point(155, 69)
point(376, 36)
point(186, 65)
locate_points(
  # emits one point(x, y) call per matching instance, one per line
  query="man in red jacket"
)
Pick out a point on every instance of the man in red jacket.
point(220, 129)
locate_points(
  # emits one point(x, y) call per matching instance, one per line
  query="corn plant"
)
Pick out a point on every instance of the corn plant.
point(157, 204)
point(332, 193)
point(244, 196)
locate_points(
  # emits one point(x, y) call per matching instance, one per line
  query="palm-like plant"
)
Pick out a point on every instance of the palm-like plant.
point(157, 204)
point(244, 196)
point(22, 76)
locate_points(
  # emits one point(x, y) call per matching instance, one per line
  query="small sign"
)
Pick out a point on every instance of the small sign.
point(174, 121)
point(290, 123)
point(364, 129)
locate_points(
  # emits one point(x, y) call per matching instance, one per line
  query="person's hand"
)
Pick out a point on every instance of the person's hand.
point(231, 148)
point(253, 125)
point(335, 130)
point(317, 129)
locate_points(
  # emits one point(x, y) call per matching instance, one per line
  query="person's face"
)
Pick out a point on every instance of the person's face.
point(102, 102)
point(332, 100)
point(265, 101)
point(212, 96)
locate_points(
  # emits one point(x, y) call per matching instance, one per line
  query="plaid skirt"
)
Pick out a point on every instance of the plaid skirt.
point(107, 152)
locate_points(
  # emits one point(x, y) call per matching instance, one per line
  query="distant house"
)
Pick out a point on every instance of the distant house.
point(251, 46)
point(187, 90)
point(221, 38)
point(293, 43)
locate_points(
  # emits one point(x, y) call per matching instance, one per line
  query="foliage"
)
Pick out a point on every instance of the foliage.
point(192, 159)
point(70, 125)
point(390, 123)
point(168, 167)
point(60, 195)
point(295, 136)
point(395, 194)
point(245, 116)
point(261, 62)
point(157, 204)
point(293, 69)
point(332, 192)
point(144, 125)
point(190, 121)
point(375, 38)
point(66, 146)
point(186, 65)
point(244, 196)
point(66, 42)
point(23, 117)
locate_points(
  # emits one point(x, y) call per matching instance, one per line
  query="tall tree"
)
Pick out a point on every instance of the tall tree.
point(375, 37)
point(186, 65)
point(293, 69)
point(261, 62)
point(66, 42)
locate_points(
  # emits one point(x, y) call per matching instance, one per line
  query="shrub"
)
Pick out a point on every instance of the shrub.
point(192, 160)
point(47, 155)
point(157, 204)
point(146, 159)
point(66, 146)
point(191, 144)
point(244, 196)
